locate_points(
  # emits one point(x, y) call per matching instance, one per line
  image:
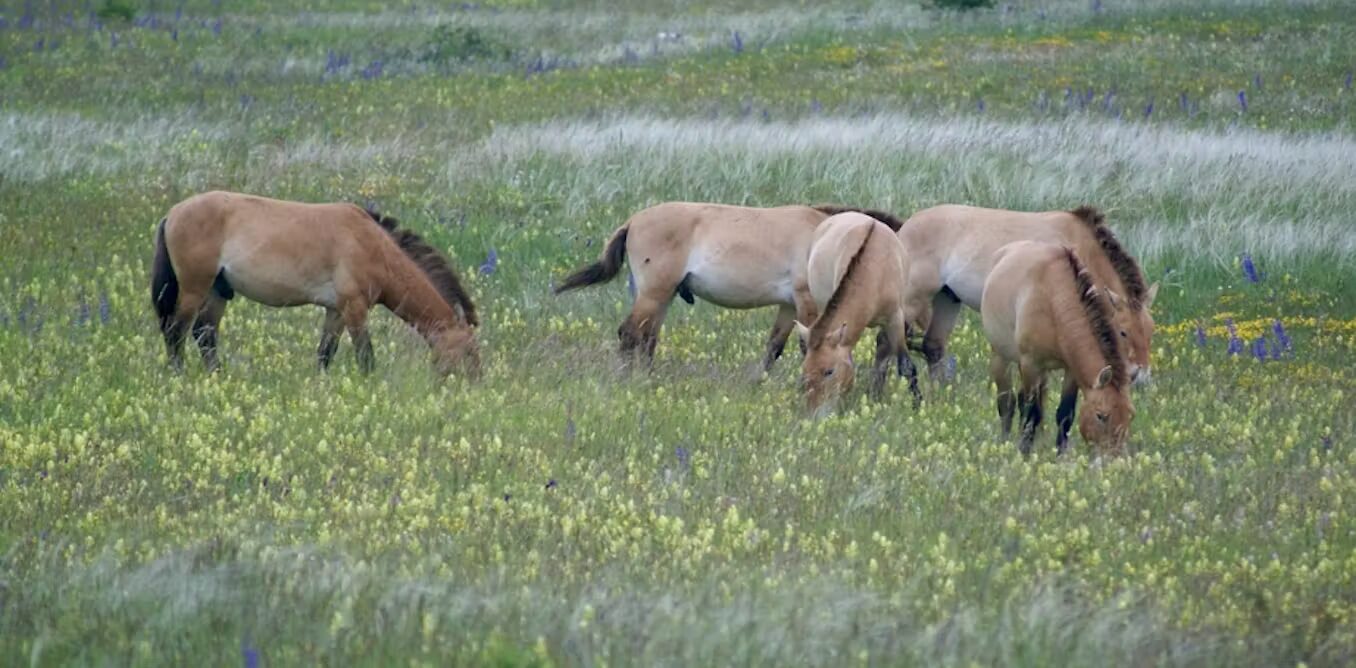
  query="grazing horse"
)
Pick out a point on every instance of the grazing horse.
point(1042, 312)
point(733, 256)
point(339, 256)
point(951, 251)
point(857, 278)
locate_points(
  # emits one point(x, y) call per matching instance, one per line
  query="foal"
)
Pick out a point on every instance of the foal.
point(1042, 312)
point(857, 278)
point(216, 244)
point(734, 256)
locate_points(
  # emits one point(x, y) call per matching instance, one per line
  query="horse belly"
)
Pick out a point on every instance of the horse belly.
point(277, 281)
point(740, 286)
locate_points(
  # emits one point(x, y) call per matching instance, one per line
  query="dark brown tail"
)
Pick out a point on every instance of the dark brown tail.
point(604, 269)
point(890, 220)
point(164, 284)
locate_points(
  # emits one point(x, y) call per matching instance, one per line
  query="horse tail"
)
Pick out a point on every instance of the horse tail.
point(604, 269)
point(164, 284)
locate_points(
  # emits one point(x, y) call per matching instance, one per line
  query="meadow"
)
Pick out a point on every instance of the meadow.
point(562, 511)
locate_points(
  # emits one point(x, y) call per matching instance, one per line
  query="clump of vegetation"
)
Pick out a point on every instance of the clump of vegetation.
point(960, 5)
point(116, 10)
point(452, 44)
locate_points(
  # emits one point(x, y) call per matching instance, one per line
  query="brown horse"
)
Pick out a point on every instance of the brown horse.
point(279, 253)
point(1042, 312)
point(951, 250)
point(857, 277)
point(733, 256)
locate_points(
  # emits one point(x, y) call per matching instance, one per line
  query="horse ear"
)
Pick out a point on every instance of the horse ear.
point(1149, 295)
point(841, 335)
point(803, 332)
point(1103, 377)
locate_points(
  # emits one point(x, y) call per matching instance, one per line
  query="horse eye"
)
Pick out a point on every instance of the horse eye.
point(1102, 417)
point(828, 372)
point(1123, 334)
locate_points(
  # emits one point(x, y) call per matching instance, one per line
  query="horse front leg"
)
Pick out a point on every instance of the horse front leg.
point(354, 314)
point(1064, 415)
point(1002, 380)
point(1031, 398)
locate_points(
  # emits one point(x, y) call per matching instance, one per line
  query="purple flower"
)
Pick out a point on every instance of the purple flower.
point(816, 107)
point(1348, 84)
point(249, 654)
point(1250, 270)
point(683, 457)
point(1200, 335)
point(372, 71)
point(112, 40)
point(737, 42)
point(1182, 100)
point(1149, 110)
point(490, 264)
point(1257, 81)
point(949, 368)
point(1243, 100)
point(1235, 343)
point(1282, 339)
point(105, 308)
point(216, 27)
point(979, 104)
point(551, 484)
point(1259, 348)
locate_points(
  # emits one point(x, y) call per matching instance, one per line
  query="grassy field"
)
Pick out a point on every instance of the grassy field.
point(561, 512)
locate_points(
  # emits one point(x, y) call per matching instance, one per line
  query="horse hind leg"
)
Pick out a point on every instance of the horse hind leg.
point(330, 332)
point(781, 331)
point(639, 333)
point(205, 328)
point(945, 311)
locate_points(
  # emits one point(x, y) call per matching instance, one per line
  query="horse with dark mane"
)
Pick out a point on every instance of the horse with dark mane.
point(733, 256)
point(347, 259)
point(952, 251)
point(1042, 312)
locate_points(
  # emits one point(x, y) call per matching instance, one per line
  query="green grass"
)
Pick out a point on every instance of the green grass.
point(563, 513)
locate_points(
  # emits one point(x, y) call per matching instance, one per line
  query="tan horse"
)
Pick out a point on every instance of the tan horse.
point(857, 278)
point(733, 256)
point(951, 250)
point(279, 253)
point(1042, 312)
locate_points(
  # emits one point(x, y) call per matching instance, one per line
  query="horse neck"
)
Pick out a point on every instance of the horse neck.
point(409, 294)
point(1076, 342)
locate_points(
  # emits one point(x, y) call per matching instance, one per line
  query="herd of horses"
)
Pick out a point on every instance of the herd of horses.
point(1056, 290)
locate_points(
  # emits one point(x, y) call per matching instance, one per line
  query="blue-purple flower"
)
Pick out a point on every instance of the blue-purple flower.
point(490, 264)
point(1235, 343)
point(1243, 100)
point(1283, 340)
point(1259, 348)
point(1200, 335)
point(1250, 270)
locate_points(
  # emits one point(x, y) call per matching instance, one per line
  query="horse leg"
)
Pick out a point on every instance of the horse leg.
point(329, 337)
point(898, 334)
point(639, 333)
point(945, 311)
point(205, 328)
point(354, 314)
point(1064, 415)
point(185, 313)
point(880, 370)
point(807, 312)
point(1002, 380)
point(781, 330)
point(1031, 398)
